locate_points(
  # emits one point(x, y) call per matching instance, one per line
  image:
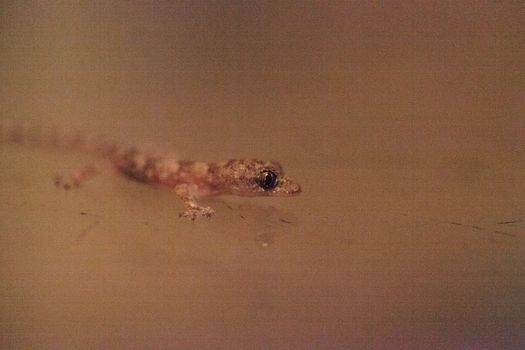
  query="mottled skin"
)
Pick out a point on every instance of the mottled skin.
point(189, 180)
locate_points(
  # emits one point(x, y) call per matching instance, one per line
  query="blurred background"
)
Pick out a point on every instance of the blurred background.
point(403, 122)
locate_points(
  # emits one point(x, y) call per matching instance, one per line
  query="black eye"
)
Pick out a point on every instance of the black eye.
point(267, 179)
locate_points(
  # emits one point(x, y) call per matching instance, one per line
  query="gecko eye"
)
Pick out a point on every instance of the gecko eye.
point(267, 179)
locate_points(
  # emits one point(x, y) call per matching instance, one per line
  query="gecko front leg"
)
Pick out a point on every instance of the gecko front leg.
point(187, 193)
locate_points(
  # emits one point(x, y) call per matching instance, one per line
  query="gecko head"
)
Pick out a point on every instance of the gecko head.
point(252, 177)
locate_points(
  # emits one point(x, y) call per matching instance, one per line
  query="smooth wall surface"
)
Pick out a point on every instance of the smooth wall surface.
point(403, 122)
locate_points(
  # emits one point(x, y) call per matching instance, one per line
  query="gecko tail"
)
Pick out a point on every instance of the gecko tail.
point(36, 136)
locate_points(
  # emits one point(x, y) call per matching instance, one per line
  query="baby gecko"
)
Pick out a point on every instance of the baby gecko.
point(188, 179)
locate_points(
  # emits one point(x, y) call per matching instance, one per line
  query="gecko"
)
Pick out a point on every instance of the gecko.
point(189, 180)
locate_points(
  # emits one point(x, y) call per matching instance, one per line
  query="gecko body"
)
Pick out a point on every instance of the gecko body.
point(188, 179)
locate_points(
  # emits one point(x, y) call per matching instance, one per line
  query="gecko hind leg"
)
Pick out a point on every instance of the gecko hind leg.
point(193, 210)
point(75, 178)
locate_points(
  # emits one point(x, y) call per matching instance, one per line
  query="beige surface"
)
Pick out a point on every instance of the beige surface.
point(404, 123)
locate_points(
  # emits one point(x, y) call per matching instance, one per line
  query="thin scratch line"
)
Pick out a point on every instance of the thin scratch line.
point(479, 228)
point(505, 233)
point(510, 222)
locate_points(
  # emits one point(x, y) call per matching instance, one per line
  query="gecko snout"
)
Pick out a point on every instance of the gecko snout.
point(286, 187)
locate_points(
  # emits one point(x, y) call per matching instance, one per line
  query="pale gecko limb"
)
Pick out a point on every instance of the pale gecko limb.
point(187, 192)
point(75, 178)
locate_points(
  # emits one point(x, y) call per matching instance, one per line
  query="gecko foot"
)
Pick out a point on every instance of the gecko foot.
point(75, 178)
point(66, 182)
point(197, 212)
